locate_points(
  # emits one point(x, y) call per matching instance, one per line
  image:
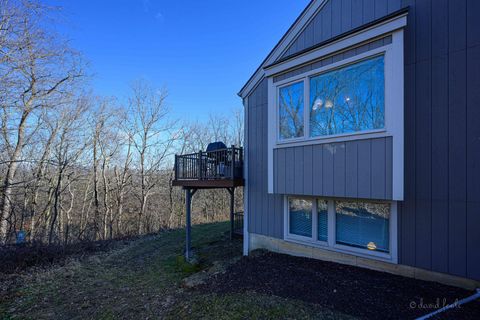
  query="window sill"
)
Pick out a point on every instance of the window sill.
point(380, 133)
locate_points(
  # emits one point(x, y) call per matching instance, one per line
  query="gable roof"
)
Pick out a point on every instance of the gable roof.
point(288, 38)
point(320, 23)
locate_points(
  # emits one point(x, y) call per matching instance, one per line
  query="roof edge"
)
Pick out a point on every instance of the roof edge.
point(251, 84)
point(303, 14)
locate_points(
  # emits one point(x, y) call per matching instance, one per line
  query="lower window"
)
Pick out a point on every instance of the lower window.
point(300, 212)
point(322, 220)
point(363, 225)
point(345, 225)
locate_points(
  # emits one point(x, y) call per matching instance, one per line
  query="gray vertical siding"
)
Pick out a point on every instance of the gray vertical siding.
point(357, 169)
point(265, 211)
point(340, 16)
point(440, 216)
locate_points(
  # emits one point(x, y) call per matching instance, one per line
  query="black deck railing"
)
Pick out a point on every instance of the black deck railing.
point(215, 165)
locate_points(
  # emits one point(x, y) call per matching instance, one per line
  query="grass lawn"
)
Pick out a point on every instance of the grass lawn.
point(144, 280)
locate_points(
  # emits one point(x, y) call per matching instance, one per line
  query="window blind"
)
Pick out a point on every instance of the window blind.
point(363, 225)
point(301, 217)
point(322, 221)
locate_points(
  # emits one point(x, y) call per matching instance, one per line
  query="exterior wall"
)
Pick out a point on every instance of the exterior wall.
point(340, 16)
point(265, 210)
point(440, 217)
point(352, 169)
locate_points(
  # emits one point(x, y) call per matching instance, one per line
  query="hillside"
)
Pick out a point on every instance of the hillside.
point(147, 278)
point(139, 280)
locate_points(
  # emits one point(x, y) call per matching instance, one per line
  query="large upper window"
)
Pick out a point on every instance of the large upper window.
point(345, 100)
point(349, 99)
point(290, 101)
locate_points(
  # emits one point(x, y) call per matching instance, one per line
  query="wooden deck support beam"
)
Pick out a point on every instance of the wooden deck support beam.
point(188, 208)
point(232, 211)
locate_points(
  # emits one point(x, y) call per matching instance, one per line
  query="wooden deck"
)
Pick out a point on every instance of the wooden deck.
point(209, 170)
point(219, 169)
point(209, 184)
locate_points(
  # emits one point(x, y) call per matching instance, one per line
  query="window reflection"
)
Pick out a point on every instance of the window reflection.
point(291, 111)
point(300, 217)
point(348, 99)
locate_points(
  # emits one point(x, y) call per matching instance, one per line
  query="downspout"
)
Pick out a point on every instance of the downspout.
point(246, 236)
point(453, 305)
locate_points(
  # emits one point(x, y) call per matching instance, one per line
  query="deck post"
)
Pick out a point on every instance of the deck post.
point(232, 213)
point(188, 226)
point(188, 206)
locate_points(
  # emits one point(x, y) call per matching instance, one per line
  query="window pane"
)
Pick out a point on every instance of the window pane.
point(291, 111)
point(348, 99)
point(301, 217)
point(363, 225)
point(322, 208)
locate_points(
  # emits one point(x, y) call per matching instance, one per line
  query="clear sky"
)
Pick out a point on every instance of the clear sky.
point(202, 51)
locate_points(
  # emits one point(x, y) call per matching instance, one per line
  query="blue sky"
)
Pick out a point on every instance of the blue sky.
point(202, 51)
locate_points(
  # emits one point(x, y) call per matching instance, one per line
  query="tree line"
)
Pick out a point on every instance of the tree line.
point(75, 166)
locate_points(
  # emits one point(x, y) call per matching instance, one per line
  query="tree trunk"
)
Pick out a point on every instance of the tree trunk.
point(10, 175)
point(38, 177)
point(106, 209)
point(56, 206)
point(96, 201)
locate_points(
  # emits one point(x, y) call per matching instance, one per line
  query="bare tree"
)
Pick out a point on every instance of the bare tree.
point(69, 148)
point(122, 176)
point(78, 168)
point(40, 71)
point(53, 127)
point(151, 137)
point(237, 127)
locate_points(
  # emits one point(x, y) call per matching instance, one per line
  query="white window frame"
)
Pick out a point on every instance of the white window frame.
point(331, 244)
point(394, 97)
point(314, 222)
point(306, 78)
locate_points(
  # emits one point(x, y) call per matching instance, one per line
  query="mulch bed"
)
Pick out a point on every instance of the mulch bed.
point(350, 290)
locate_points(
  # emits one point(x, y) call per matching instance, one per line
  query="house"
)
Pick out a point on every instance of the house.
point(363, 139)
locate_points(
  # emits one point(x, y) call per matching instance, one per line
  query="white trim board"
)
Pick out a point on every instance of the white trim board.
point(246, 240)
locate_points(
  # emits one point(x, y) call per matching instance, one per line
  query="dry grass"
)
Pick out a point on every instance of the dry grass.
point(147, 278)
point(141, 280)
